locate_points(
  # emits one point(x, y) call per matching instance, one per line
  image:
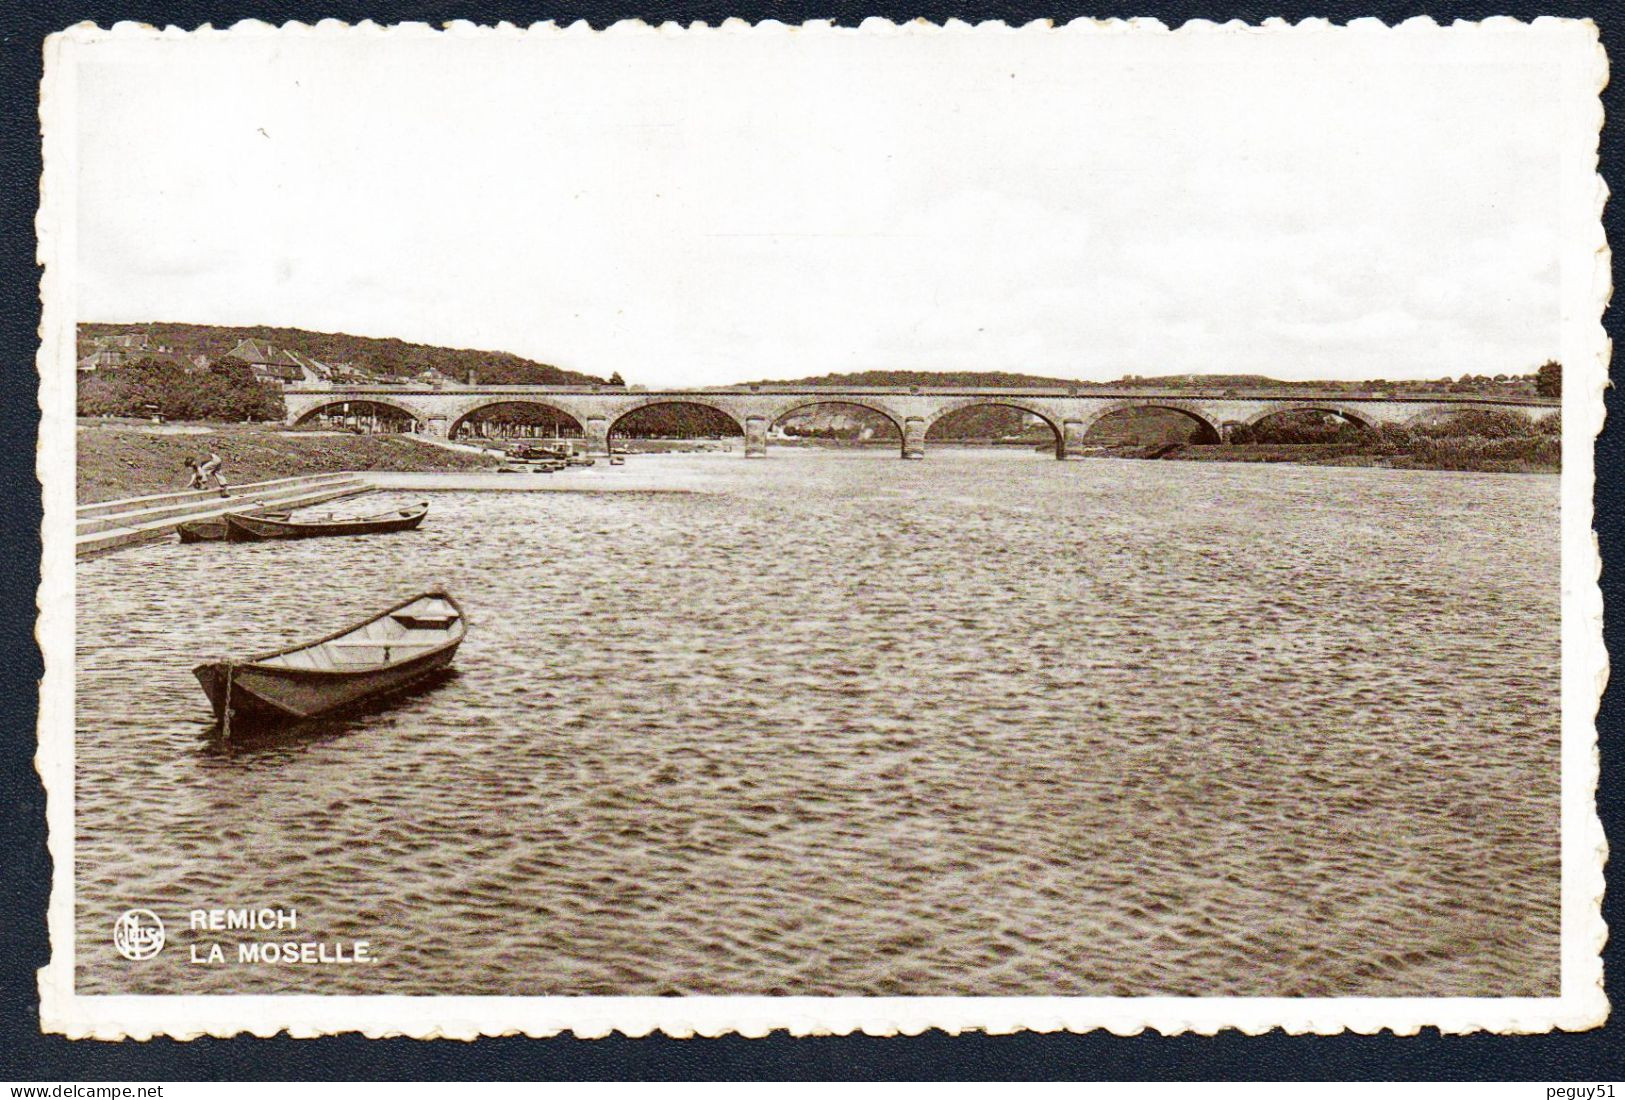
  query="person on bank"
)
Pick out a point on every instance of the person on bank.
point(204, 472)
point(211, 469)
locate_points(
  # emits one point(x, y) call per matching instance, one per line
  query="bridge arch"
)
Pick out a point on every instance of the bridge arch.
point(1444, 408)
point(1209, 426)
point(948, 408)
point(411, 412)
point(456, 423)
point(778, 413)
point(1431, 415)
point(650, 402)
point(1358, 419)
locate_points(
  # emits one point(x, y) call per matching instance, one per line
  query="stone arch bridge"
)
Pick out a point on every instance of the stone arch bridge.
point(1069, 411)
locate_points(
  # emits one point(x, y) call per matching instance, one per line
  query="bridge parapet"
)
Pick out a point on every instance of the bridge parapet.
point(834, 393)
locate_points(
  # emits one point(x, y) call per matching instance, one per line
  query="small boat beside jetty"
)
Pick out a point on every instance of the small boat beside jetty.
point(380, 655)
point(252, 527)
point(530, 460)
point(556, 455)
point(214, 530)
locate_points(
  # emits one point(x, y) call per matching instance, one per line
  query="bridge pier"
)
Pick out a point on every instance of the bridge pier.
point(1070, 444)
point(597, 432)
point(436, 426)
point(914, 437)
point(755, 437)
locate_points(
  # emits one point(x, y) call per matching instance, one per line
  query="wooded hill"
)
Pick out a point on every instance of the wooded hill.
point(380, 355)
point(920, 378)
point(394, 358)
point(1521, 384)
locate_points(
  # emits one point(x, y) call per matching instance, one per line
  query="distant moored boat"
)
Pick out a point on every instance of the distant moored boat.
point(248, 527)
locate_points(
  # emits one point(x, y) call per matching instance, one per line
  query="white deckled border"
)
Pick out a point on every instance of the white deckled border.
point(1585, 352)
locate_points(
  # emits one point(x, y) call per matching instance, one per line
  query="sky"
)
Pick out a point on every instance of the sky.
point(703, 207)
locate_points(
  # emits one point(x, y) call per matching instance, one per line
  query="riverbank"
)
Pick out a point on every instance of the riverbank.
point(1532, 454)
point(125, 458)
point(1524, 455)
point(655, 476)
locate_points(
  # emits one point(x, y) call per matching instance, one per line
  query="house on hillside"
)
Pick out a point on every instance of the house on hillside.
point(112, 355)
point(436, 378)
point(102, 359)
point(272, 364)
point(113, 351)
point(314, 370)
point(340, 372)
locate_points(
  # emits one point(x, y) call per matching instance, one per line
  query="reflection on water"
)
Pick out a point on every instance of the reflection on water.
point(986, 724)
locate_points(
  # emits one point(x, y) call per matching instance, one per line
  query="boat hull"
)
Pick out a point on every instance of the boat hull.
point(247, 528)
point(202, 530)
point(521, 466)
point(210, 530)
point(261, 695)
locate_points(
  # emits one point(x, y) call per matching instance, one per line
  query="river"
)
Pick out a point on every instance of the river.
point(842, 724)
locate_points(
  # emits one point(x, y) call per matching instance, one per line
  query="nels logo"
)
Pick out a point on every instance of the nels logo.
point(138, 934)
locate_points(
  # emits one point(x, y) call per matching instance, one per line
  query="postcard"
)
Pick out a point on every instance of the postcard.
point(710, 530)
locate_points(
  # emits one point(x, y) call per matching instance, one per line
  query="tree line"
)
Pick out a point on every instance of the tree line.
point(154, 387)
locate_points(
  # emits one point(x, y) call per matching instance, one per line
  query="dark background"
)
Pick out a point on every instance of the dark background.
point(25, 869)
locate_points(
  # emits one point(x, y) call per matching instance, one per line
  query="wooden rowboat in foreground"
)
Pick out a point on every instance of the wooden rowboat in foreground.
point(377, 656)
point(248, 527)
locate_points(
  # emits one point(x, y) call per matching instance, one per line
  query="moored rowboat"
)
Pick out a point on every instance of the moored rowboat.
point(213, 530)
point(377, 656)
point(248, 527)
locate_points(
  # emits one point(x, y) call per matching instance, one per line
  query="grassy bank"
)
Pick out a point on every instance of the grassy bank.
point(128, 458)
point(1505, 456)
point(1474, 440)
point(1499, 456)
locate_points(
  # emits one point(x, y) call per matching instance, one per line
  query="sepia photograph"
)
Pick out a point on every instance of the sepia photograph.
point(710, 529)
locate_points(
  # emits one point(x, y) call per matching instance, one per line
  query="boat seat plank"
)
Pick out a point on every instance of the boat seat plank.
point(414, 620)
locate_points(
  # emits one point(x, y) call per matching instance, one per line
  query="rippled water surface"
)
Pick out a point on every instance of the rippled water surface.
point(841, 724)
